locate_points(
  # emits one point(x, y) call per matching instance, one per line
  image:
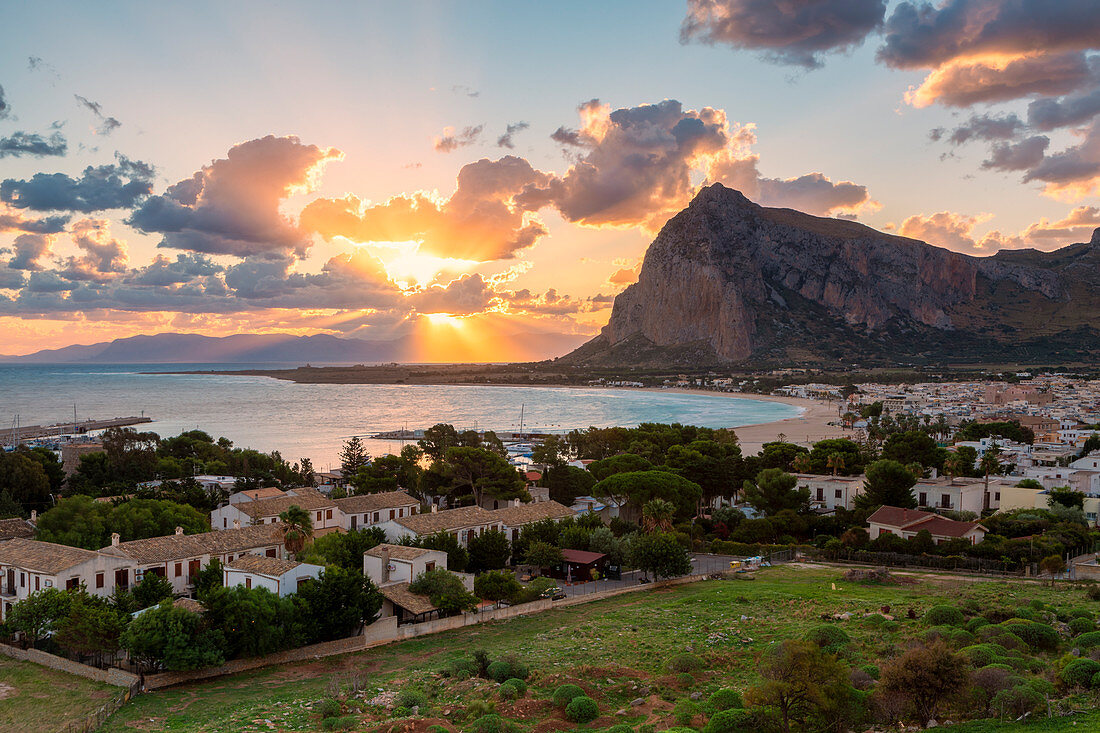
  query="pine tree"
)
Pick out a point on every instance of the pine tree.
point(353, 457)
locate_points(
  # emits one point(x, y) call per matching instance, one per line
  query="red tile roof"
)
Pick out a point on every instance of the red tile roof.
point(581, 557)
point(915, 521)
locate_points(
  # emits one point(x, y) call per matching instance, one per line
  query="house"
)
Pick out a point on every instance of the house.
point(408, 607)
point(513, 518)
point(958, 493)
point(27, 566)
point(463, 523)
point(367, 510)
point(179, 557)
point(266, 511)
point(906, 523)
point(829, 493)
point(267, 492)
point(11, 529)
point(386, 564)
point(281, 577)
point(579, 565)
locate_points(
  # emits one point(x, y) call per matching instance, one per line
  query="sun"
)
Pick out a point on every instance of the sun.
point(409, 268)
point(445, 319)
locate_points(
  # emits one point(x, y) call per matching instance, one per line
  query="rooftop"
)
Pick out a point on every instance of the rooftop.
point(914, 520)
point(398, 552)
point(42, 557)
point(308, 499)
point(521, 514)
point(12, 528)
point(373, 502)
point(448, 520)
point(262, 565)
point(400, 595)
point(181, 546)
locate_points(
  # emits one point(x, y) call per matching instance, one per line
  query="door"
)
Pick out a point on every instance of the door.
point(354, 521)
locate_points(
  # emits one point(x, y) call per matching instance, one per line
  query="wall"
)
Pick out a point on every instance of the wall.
point(110, 676)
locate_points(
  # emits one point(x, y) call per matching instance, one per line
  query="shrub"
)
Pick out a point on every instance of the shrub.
point(566, 694)
point(1079, 673)
point(726, 698)
point(685, 663)
point(400, 712)
point(1096, 680)
point(685, 711)
point(480, 708)
point(976, 623)
point(582, 709)
point(1081, 625)
point(1093, 593)
point(411, 699)
point(1035, 635)
point(1017, 701)
point(437, 729)
point(1025, 612)
point(492, 723)
point(517, 684)
point(871, 670)
point(620, 728)
point(507, 668)
point(730, 721)
point(685, 679)
point(328, 708)
point(507, 692)
point(1081, 613)
point(1087, 640)
point(348, 722)
point(944, 616)
point(461, 669)
point(830, 638)
point(982, 655)
point(951, 635)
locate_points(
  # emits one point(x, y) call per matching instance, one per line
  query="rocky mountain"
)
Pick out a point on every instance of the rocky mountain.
point(729, 281)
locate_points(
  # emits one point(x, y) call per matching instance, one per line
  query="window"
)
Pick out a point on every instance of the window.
point(392, 514)
point(820, 494)
point(270, 552)
point(376, 517)
point(225, 523)
point(328, 514)
point(23, 580)
point(48, 582)
point(945, 500)
point(997, 496)
point(837, 493)
point(318, 516)
point(99, 580)
point(178, 570)
point(922, 498)
point(248, 582)
point(72, 583)
point(429, 566)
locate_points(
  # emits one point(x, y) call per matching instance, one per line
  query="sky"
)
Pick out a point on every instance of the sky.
point(484, 177)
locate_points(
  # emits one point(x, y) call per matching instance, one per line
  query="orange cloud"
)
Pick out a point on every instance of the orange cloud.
point(963, 82)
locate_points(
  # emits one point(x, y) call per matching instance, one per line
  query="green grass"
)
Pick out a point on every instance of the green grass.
point(45, 700)
point(611, 647)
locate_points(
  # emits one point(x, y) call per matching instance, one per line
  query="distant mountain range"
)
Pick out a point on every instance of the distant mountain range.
point(727, 281)
point(184, 348)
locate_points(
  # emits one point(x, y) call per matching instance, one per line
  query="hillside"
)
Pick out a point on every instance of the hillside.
point(728, 281)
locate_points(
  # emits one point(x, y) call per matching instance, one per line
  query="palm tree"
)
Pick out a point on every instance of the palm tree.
point(802, 463)
point(297, 528)
point(835, 461)
point(990, 463)
point(657, 515)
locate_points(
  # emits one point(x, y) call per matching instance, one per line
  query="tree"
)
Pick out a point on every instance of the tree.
point(483, 474)
point(552, 452)
point(1053, 564)
point(659, 554)
point(37, 614)
point(714, 466)
point(80, 521)
point(622, 463)
point(210, 577)
point(927, 676)
point(657, 515)
point(343, 549)
point(566, 483)
point(337, 604)
point(437, 440)
point(1010, 430)
point(848, 453)
point(91, 626)
point(488, 551)
point(253, 621)
point(990, 463)
point(152, 590)
point(457, 556)
point(1065, 496)
point(639, 487)
point(913, 446)
point(353, 457)
point(782, 455)
point(23, 478)
point(543, 555)
point(297, 528)
point(807, 688)
point(307, 474)
point(172, 638)
point(445, 591)
point(496, 585)
point(774, 490)
point(888, 483)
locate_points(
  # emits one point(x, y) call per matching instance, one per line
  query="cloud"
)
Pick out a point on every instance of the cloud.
point(232, 205)
point(114, 186)
point(480, 221)
point(29, 249)
point(13, 220)
point(920, 35)
point(796, 32)
point(505, 140)
point(1074, 172)
point(955, 232)
point(464, 296)
point(28, 143)
point(626, 274)
point(104, 258)
point(983, 127)
point(966, 82)
point(465, 91)
point(450, 140)
point(107, 125)
point(1022, 155)
point(1077, 226)
point(5, 108)
point(164, 272)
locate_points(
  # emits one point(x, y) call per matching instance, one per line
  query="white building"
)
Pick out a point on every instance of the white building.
point(462, 523)
point(369, 510)
point(27, 566)
point(829, 493)
point(387, 564)
point(512, 519)
point(266, 511)
point(281, 577)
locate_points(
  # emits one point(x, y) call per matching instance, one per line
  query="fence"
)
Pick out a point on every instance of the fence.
point(929, 562)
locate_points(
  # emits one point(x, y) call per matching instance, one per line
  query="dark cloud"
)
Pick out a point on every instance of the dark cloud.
point(1017, 156)
point(451, 140)
point(185, 268)
point(107, 125)
point(984, 127)
point(5, 108)
point(793, 32)
point(921, 35)
point(28, 143)
point(11, 279)
point(232, 205)
point(1075, 168)
point(1071, 109)
point(12, 220)
point(505, 140)
point(29, 249)
point(464, 296)
point(565, 136)
point(115, 186)
point(103, 258)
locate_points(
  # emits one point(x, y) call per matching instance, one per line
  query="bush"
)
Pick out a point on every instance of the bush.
point(1087, 640)
point(328, 708)
point(730, 721)
point(566, 694)
point(507, 668)
point(951, 635)
point(438, 729)
point(1079, 673)
point(1093, 593)
point(685, 663)
point(1025, 612)
point(411, 699)
point(1017, 701)
point(348, 722)
point(620, 728)
point(1081, 625)
point(726, 698)
point(685, 711)
point(871, 670)
point(982, 655)
point(582, 709)
point(461, 669)
point(493, 723)
point(830, 638)
point(516, 684)
point(1035, 635)
point(944, 616)
point(976, 623)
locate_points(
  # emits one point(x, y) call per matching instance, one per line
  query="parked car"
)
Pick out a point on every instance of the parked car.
point(554, 594)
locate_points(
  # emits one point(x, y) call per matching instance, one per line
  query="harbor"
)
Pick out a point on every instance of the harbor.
point(18, 433)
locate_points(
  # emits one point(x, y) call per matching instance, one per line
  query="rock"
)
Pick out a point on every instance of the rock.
point(621, 711)
point(644, 691)
point(932, 724)
point(696, 696)
point(636, 702)
point(727, 280)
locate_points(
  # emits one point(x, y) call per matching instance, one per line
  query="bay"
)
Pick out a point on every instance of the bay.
point(313, 420)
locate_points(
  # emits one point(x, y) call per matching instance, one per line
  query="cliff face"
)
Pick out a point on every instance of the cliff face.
point(729, 281)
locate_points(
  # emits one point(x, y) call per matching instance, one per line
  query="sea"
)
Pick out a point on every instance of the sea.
point(313, 420)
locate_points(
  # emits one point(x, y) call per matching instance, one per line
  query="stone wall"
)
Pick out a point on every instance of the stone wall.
point(109, 676)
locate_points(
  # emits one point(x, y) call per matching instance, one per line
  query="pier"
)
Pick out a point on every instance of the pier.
point(79, 427)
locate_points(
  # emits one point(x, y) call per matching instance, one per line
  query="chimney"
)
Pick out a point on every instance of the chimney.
point(435, 508)
point(34, 516)
point(385, 566)
point(115, 537)
point(236, 524)
point(179, 531)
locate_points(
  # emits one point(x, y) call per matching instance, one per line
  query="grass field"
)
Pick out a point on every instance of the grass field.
point(613, 648)
point(34, 698)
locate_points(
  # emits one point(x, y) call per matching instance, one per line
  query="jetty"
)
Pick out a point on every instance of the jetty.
point(13, 434)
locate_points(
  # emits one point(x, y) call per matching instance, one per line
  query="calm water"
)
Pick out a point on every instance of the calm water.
point(313, 420)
